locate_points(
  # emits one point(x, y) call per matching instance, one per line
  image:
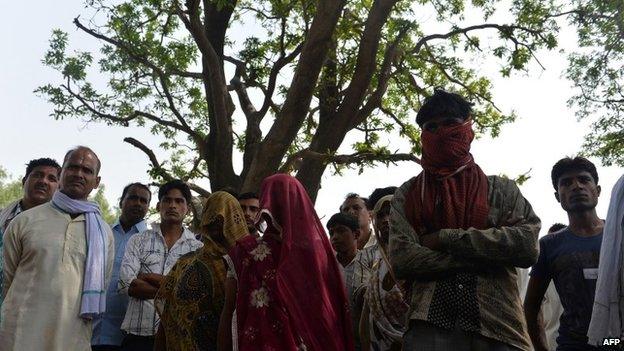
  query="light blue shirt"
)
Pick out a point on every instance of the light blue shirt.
point(107, 328)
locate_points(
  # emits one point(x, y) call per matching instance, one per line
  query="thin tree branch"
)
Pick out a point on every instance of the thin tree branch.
point(158, 167)
point(499, 27)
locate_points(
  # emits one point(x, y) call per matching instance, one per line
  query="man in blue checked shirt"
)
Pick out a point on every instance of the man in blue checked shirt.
point(134, 203)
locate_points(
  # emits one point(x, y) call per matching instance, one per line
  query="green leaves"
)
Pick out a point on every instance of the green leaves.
point(597, 73)
point(156, 78)
point(10, 190)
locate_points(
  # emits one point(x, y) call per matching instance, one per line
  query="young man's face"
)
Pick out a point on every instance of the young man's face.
point(343, 239)
point(41, 184)
point(382, 221)
point(357, 207)
point(251, 208)
point(79, 175)
point(172, 207)
point(441, 121)
point(577, 191)
point(135, 204)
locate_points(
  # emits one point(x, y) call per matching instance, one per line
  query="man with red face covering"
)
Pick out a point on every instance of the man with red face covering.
point(456, 236)
point(289, 291)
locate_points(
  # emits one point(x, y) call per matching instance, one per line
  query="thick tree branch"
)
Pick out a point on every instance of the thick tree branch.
point(366, 61)
point(294, 161)
point(376, 97)
point(299, 96)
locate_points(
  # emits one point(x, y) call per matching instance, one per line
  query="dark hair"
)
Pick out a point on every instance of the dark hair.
point(175, 184)
point(556, 227)
point(378, 194)
point(127, 188)
point(345, 219)
point(443, 103)
point(248, 195)
point(40, 162)
point(357, 196)
point(80, 147)
point(572, 164)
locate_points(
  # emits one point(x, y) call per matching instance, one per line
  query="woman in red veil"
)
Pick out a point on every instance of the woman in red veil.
point(290, 294)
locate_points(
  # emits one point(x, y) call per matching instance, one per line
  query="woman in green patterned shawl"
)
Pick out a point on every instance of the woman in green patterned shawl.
point(192, 296)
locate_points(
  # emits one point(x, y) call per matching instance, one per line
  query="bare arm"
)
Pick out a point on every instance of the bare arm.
point(532, 305)
point(142, 289)
point(225, 322)
point(154, 279)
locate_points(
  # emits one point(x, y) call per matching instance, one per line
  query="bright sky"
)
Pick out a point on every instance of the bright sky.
point(545, 131)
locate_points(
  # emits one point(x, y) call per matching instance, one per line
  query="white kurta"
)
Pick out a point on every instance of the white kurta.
point(44, 263)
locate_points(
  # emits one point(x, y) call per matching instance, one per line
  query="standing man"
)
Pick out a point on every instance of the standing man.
point(149, 256)
point(58, 258)
point(456, 236)
point(357, 206)
point(38, 184)
point(134, 203)
point(569, 258)
point(250, 203)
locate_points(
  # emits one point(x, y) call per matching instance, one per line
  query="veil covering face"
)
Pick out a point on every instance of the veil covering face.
point(291, 289)
point(191, 298)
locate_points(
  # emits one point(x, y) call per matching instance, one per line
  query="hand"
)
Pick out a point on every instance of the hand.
point(431, 241)
point(152, 278)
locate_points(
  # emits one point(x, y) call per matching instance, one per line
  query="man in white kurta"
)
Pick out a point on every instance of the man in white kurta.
point(45, 252)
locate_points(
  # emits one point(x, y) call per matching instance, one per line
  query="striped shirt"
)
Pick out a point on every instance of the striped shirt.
point(147, 252)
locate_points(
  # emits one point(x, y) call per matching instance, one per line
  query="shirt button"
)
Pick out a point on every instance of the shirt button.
point(460, 286)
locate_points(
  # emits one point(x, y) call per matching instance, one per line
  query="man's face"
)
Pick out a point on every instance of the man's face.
point(356, 207)
point(251, 208)
point(342, 238)
point(135, 204)
point(441, 121)
point(40, 184)
point(577, 191)
point(172, 207)
point(79, 175)
point(382, 221)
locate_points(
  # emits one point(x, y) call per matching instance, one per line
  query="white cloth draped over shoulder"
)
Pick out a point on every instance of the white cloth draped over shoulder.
point(606, 321)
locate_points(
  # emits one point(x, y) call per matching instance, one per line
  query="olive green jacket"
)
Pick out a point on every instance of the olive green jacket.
point(490, 255)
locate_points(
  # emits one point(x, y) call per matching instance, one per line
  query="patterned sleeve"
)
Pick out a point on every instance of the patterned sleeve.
point(408, 258)
point(130, 265)
point(513, 241)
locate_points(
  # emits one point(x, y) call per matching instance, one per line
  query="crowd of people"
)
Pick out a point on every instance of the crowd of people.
point(449, 260)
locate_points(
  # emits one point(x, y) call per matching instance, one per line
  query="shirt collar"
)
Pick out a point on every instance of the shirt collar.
point(137, 228)
point(187, 234)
